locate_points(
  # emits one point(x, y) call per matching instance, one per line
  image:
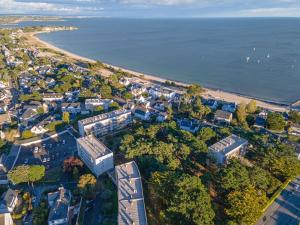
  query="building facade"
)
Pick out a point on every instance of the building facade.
point(231, 146)
point(105, 123)
point(96, 156)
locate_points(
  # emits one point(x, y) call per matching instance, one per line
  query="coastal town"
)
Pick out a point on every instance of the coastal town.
point(87, 143)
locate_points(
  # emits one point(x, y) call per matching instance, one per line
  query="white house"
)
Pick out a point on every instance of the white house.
point(38, 130)
point(142, 113)
point(125, 81)
point(223, 116)
point(295, 129)
point(92, 103)
point(137, 89)
point(96, 156)
point(158, 91)
point(227, 148)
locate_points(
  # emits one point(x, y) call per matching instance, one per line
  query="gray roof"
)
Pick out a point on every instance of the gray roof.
point(228, 144)
point(223, 114)
point(93, 146)
point(131, 205)
point(104, 116)
point(8, 197)
point(29, 113)
point(60, 207)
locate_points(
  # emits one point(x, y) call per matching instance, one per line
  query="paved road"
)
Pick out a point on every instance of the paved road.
point(286, 208)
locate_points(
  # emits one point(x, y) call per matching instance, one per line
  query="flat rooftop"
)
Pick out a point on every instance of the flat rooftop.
point(130, 195)
point(228, 144)
point(93, 146)
point(104, 116)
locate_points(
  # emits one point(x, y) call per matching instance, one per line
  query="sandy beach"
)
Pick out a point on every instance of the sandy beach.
point(209, 93)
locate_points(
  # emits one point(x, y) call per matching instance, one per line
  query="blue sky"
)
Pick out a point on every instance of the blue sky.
point(154, 8)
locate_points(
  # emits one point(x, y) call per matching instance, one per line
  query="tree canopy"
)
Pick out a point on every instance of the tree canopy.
point(25, 173)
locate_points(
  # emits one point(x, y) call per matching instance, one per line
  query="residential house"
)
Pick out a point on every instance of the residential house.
point(162, 117)
point(50, 82)
point(5, 217)
point(96, 156)
point(72, 108)
point(142, 113)
point(137, 89)
point(260, 122)
point(125, 81)
point(9, 200)
point(38, 130)
point(223, 117)
point(29, 115)
point(158, 91)
point(295, 129)
point(229, 107)
point(92, 103)
point(59, 203)
point(231, 146)
point(211, 103)
point(192, 125)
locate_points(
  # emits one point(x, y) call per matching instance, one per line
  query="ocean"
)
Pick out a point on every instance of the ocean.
point(257, 57)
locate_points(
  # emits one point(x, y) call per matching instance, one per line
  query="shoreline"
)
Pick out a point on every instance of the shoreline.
point(211, 93)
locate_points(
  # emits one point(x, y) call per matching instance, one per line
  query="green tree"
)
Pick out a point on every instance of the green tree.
point(241, 113)
point(194, 90)
point(234, 177)
point(185, 198)
point(26, 174)
point(106, 91)
point(275, 121)
point(40, 110)
point(245, 206)
point(26, 134)
point(191, 203)
point(206, 134)
point(114, 106)
point(40, 214)
point(251, 107)
point(263, 180)
point(87, 184)
point(294, 116)
point(66, 117)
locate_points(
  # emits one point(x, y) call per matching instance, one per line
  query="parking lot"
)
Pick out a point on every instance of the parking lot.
point(50, 153)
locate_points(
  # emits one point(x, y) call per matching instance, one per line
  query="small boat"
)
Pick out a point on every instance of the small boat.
point(248, 58)
point(268, 56)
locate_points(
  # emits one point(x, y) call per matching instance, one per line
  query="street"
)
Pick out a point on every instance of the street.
point(286, 208)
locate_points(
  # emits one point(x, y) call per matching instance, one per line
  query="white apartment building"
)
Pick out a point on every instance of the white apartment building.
point(96, 156)
point(104, 123)
point(227, 148)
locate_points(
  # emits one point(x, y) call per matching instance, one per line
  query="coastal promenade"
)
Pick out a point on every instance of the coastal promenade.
point(209, 93)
